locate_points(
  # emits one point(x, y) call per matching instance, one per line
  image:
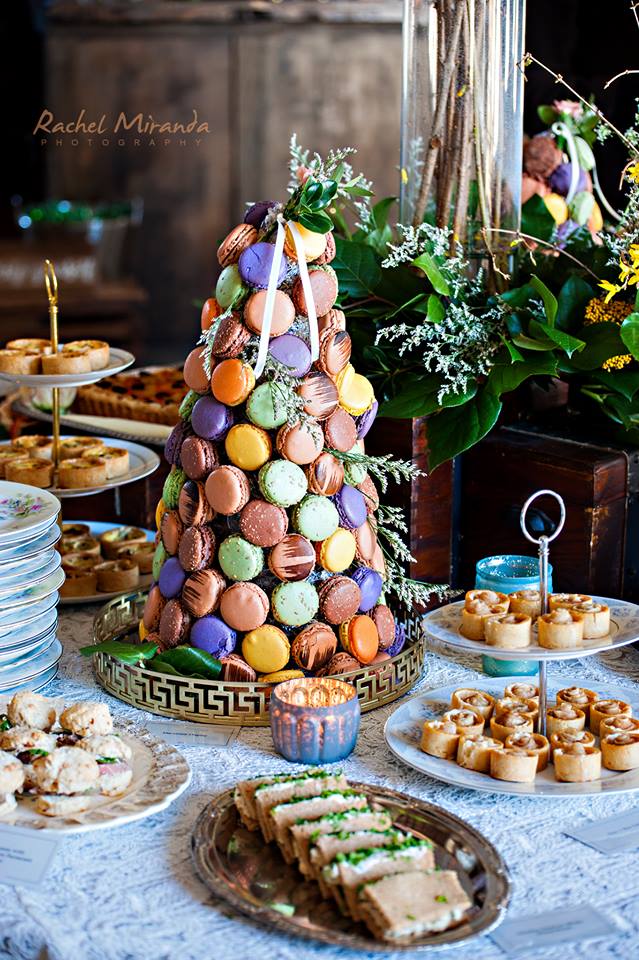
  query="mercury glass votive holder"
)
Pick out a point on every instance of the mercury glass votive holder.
point(314, 720)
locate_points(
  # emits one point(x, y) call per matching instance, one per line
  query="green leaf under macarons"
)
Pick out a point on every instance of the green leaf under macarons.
point(188, 661)
point(126, 652)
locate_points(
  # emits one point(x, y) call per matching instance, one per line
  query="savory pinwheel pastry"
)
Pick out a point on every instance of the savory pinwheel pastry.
point(532, 743)
point(509, 722)
point(578, 697)
point(565, 738)
point(602, 709)
point(561, 629)
point(557, 600)
point(514, 764)
point(466, 721)
point(492, 597)
point(466, 698)
point(564, 717)
point(440, 739)
point(576, 763)
point(474, 616)
point(620, 751)
point(596, 618)
point(526, 601)
point(619, 724)
point(522, 691)
point(511, 631)
point(474, 750)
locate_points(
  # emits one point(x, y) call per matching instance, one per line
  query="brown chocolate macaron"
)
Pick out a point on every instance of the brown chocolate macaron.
point(341, 431)
point(339, 599)
point(324, 288)
point(371, 496)
point(171, 530)
point(293, 558)
point(236, 670)
point(197, 548)
point(240, 237)
point(342, 662)
point(198, 457)
point(175, 624)
point(244, 606)
point(314, 646)
point(283, 312)
point(195, 376)
point(193, 507)
point(335, 351)
point(263, 524)
point(202, 591)
point(319, 394)
point(301, 443)
point(153, 608)
point(231, 338)
point(366, 543)
point(329, 251)
point(333, 320)
point(325, 475)
point(385, 623)
point(227, 490)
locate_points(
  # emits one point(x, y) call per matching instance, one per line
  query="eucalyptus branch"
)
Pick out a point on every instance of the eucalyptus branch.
point(528, 59)
point(518, 235)
point(383, 468)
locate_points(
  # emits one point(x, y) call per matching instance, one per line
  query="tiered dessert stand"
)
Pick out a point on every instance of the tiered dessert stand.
point(403, 728)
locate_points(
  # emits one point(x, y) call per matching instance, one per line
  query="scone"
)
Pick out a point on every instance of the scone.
point(87, 718)
point(59, 805)
point(82, 472)
point(66, 770)
point(23, 739)
point(35, 472)
point(28, 709)
point(112, 755)
point(98, 351)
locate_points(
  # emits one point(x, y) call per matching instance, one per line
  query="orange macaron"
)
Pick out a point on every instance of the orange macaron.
point(360, 638)
point(232, 381)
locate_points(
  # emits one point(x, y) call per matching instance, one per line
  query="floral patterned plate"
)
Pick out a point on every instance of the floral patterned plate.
point(25, 512)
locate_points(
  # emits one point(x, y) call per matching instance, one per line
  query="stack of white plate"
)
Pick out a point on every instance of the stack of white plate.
point(30, 577)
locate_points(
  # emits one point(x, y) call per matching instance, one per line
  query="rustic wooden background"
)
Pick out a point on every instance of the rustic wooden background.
point(255, 72)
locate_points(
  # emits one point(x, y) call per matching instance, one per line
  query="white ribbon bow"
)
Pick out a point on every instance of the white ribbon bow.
point(267, 318)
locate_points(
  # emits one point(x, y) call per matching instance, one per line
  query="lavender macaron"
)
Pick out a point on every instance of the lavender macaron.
point(370, 584)
point(173, 445)
point(399, 641)
point(172, 578)
point(213, 635)
point(211, 419)
point(257, 212)
point(351, 507)
point(292, 353)
point(255, 265)
point(366, 420)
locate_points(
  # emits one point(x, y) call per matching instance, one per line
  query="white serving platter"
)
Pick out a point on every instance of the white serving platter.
point(403, 732)
point(118, 360)
point(122, 428)
point(443, 624)
point(26, 512)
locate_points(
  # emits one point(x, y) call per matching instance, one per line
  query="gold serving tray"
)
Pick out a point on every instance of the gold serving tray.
point(250, 875)
point(243, 704)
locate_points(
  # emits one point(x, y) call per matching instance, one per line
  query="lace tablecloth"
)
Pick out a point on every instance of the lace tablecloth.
point(132, 893)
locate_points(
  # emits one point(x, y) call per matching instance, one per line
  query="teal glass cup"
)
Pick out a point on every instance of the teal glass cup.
point(507, 573)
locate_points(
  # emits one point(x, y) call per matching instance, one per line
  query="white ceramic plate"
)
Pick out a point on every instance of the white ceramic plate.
point(25, 512)
point(403, 732)
point(38, 683)
point(23, 634)
point(21, 616)
point(31, 578)
point(95, 529)
point(40, 591)
point(443, 624)
point(20, 674)
point(142, 462)
point(12, 570)
point(19, 659)
point(23, 552)
point(118, 360)
point(160, 774)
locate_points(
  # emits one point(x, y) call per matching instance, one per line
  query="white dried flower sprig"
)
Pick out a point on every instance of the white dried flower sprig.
point(335, 167)
point(382, 468)
point(414, 240)
point(207, 338)
point(397, 556)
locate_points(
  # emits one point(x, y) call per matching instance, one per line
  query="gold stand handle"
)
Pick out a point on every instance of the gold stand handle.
point(51, 283)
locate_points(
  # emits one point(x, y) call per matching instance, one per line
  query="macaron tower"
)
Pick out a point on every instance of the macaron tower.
point(267, 556)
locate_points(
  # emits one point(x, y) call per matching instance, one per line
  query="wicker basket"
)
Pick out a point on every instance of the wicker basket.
point(244, 704)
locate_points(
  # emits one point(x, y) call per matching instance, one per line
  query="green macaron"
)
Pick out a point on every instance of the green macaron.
point(315, 517)
point(159, 557)
point(264, 407)
point(172, 486)
point(354, 472)
point(229, 286)
point(239, 559)
point(189, 401)
point(294, 604)
point(282, 482)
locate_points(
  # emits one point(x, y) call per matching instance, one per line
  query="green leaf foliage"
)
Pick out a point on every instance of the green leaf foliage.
point(415, 400)
point(630, 334)
point(548, 299)
point(546, 114)
point(126, 652)
point(602, 341)
point(357, 268)
point(581, 207)
point(571, 303)
point(536, 219)
point(456, 429)
point(565, 341)
point(508, 376)
point(428, 264)
point(585, 156)
point(625, 382)
point(190, 661)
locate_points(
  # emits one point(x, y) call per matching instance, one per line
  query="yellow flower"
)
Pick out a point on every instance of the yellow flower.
point(599, 310)
point(633, 172)
point(611, 288)
point(616, 363)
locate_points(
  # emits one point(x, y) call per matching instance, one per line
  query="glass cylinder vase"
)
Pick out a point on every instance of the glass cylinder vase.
point(462, 118)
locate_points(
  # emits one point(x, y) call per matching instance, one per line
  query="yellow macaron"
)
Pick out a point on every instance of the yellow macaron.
point(281, 675)
point(266, 649)
point(337, 552)
point(356, 393)
point(160, 510)
point(313, 244)
point(247, 446)
point(142, 631)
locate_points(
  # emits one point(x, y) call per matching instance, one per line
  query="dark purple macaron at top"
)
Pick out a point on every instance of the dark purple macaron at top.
point(257, 212)
point(366, 420)
point(351, 507)
point(292, 353)
point(213, 635)
point(255, 265)
point(399, 641)
point(172, 578)
point(173, 445)
point(211, 419)
point(370, 584)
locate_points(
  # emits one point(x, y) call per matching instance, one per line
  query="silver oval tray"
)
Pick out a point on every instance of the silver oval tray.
point(251, 875)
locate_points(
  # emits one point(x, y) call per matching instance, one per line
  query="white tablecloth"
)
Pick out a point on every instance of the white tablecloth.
point(132, 893)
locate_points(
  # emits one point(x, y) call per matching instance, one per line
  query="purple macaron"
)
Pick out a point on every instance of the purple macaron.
point(211, 419)
point(214, 636)
point(292, 353)
point(351, 507)
point(255, 265)
point(370, 584)
point(173, 445)
point(399, 641)
point(257, 212)
point(366, 420)
point(172, 578)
